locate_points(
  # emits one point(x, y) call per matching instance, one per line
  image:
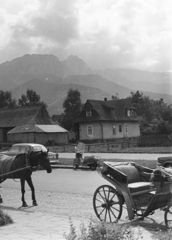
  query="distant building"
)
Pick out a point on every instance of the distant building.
point(30, 124)
point(107, 120)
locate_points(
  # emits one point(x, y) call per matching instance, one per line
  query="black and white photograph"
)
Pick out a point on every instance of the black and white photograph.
point(86, 119)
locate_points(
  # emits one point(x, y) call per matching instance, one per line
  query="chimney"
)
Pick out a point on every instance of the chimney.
point(105, 99)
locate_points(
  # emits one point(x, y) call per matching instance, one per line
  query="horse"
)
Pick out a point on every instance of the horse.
point(22, 166)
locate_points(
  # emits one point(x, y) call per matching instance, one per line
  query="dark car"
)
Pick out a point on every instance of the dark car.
point(31, 147)
point(165, 161)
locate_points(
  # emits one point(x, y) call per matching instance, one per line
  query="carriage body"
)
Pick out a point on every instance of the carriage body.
point(134, 186)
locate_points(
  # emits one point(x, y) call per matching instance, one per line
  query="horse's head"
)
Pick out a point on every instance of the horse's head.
point(41, 158)
point(45, 162)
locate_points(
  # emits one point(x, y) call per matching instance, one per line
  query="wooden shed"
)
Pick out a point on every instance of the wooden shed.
point(43, 134)
point(30, 124)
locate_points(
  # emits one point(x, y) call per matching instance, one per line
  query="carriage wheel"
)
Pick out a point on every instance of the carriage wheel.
point(107, 204)
point(168, 217)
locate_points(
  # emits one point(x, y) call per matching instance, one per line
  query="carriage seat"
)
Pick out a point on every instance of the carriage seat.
point(129, 175)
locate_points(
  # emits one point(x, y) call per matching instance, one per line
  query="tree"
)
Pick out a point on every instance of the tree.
point(116, 97)
point(31, 98)
point(155, 115)
point(6, 99)
point(72, 107)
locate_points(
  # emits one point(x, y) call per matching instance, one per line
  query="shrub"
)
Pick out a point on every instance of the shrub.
point(162, 235)
point(100, 231)
point(5, 219)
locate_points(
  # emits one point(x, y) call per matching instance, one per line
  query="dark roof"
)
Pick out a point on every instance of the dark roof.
point(18, 116)
point(102, 111)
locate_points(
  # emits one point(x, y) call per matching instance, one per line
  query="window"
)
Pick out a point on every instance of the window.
point(88, 113)
point(120, 128)
point(128, 112)
point(90, 130)
point(126, 128)
point(131, 113)
point(114, 129)
point(112, 112)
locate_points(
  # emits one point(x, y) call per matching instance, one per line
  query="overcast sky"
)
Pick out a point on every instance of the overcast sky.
point(104, 33)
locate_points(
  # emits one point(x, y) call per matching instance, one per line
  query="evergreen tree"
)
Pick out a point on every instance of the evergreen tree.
point(72, 107)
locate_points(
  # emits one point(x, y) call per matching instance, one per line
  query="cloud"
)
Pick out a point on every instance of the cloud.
point(113, 33)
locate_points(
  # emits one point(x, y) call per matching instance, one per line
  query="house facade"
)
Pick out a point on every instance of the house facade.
point(107, 120)
point(30, 124)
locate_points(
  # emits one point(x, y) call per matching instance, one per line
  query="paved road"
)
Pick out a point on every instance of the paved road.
point(62, 181)
point(127, 156)
point(64, 192)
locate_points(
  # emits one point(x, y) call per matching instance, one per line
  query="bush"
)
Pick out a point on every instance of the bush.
point(161, 235)
point(100, 231)
point(5, 219)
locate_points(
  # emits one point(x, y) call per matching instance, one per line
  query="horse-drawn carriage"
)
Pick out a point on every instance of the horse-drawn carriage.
point(139, 189)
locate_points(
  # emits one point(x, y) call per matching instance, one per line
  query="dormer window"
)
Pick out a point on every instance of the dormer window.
point(128, 113)
point(88, 113)
point(112, 112)
point(131, 113)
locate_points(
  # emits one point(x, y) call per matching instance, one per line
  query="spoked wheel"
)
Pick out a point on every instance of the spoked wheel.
point(168, 217)
point(107, 204)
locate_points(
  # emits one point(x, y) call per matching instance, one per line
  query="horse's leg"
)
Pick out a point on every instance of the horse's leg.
point(22, 181)
point(29, 181)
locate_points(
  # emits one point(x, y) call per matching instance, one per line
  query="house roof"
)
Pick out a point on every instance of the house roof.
point(102, 111)
point(38, 128)
point(18, 116)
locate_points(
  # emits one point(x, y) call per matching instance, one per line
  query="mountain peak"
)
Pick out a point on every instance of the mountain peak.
point(74, 58)
point(77, 65)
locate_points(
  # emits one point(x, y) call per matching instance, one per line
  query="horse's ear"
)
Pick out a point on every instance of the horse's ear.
point(47, 151)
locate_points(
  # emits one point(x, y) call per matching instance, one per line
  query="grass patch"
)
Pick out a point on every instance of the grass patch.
point(110, 231)
point(101, 231)
point(5, 219)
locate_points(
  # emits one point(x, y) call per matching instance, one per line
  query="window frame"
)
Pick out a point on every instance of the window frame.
point(88, 113)
point(113, 129)
point(113, 110)
point(88, 129)
point(126, 128)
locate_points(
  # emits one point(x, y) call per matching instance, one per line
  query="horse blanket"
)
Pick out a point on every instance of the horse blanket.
point(12, 164)
point(5, 163)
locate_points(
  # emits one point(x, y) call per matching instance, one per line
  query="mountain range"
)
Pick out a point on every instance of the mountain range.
point(52, 78)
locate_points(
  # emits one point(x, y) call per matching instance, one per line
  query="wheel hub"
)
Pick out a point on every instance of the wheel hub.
point(107, 204)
